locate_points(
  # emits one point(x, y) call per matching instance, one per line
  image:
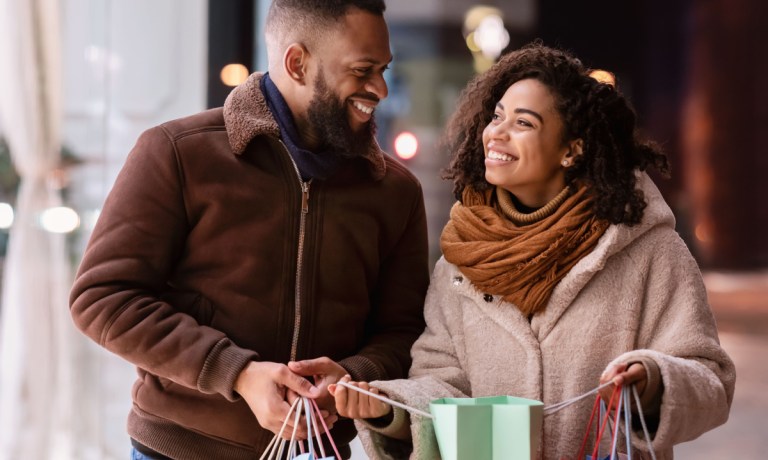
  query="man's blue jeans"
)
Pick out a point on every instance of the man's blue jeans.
point(136, 455)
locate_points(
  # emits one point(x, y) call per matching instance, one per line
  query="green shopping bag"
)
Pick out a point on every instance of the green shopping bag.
point(490, 428)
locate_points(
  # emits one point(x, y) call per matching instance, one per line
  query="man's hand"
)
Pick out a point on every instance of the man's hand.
point(265, 386)
point(324, 371)
point(353, 404)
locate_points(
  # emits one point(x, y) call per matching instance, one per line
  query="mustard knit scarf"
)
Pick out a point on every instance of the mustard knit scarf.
point(523, 264)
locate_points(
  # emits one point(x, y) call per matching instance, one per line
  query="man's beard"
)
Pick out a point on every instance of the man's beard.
point(328, 118)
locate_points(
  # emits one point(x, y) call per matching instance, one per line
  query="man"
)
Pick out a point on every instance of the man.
point(240, 240)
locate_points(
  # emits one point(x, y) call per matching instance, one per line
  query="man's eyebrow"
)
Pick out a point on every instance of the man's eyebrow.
point(373, 61)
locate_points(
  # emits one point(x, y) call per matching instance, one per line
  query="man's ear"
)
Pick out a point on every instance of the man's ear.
point(295, 62)
point(575, 149)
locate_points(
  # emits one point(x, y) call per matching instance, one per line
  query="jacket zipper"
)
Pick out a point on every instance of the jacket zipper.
point(299, 256)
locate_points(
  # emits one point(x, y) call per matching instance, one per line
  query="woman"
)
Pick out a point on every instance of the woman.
point(561, 270)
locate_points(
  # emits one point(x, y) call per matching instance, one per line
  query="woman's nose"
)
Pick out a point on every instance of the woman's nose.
point(498, 131)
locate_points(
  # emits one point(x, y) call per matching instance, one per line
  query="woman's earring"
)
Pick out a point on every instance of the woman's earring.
point(566, 163)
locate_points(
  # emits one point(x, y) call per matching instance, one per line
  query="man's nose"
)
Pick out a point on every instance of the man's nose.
point(378, 86)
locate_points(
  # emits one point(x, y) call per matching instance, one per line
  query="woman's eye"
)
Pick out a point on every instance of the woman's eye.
point(524, 122)
point(495, 117)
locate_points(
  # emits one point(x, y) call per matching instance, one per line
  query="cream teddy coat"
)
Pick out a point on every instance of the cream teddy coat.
point(638, 296)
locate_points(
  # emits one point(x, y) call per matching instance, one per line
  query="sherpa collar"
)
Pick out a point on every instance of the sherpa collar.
point(247, 116)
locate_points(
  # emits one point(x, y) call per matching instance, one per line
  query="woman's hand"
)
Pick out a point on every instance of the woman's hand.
point(623, 374)
point(353, 404)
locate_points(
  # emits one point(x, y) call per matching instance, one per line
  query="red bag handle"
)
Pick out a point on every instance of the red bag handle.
point(600, 426)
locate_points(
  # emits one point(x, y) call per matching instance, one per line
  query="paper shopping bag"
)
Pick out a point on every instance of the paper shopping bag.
point(490, 428)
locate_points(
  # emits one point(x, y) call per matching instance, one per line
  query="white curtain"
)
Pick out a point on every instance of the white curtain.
point(36, 332)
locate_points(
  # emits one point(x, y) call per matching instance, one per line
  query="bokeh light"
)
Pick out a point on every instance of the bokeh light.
point(406, 145)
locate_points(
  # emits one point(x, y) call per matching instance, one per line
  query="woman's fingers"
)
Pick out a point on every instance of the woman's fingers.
point(354, 404)
point(623, 374)
point(375, 408)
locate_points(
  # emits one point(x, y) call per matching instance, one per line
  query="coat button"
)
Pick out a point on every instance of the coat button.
point(457, 280)
point(488, 297)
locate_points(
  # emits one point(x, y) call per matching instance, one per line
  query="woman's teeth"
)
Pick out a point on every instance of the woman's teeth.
point(494, 155)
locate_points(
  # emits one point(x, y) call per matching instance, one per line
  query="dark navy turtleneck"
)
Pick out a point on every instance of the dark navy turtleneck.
point(312, 165)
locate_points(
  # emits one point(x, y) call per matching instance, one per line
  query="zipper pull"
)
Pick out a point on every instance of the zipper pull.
point(305, 197)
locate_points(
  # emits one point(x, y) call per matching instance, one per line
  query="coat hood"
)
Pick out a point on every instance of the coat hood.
point(617, 237)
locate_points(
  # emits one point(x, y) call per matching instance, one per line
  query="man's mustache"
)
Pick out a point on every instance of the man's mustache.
point(369, 96)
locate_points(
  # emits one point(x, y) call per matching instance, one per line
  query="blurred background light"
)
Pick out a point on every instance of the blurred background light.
point(6, 215)
point(406, 145)
point(491, 36)
point(234, 74)
point(485, 35)
point(603, 76)
point(60, 219)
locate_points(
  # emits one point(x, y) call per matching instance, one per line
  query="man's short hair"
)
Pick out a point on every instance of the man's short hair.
point(290, 21)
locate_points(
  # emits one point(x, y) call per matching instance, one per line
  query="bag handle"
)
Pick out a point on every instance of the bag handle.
point(627, 394)
point(642, 422)
point(624, 402)
point(601, 427)
point(327, 431)
point(582, 449)
point(617, 422)
point(279, 446)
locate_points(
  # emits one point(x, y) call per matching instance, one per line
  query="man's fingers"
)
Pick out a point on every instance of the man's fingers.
point(297, 383)
point(301, 431)
point(310, 367)
point(330, 420)
point(273, 419)
point(291, 396)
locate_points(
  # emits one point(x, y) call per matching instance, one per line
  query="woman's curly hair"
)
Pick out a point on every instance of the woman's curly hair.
point(592, 111)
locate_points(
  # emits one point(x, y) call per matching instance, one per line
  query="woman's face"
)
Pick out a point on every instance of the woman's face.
point(523, 144)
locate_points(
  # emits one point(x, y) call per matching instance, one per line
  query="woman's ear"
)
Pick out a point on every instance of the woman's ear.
point(575, 149)
point(295, 62)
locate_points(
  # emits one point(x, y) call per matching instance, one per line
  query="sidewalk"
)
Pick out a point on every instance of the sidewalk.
point(739, 301)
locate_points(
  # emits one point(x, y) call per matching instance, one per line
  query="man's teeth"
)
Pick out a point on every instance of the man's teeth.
point(363, 108)
point(494, 155)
